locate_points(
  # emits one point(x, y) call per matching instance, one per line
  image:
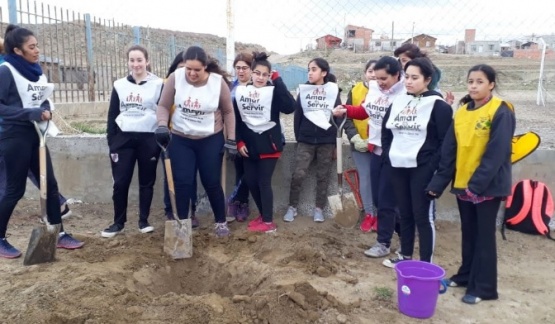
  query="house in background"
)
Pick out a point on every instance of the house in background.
point(328, 41)
point(357, 38)
point(424, 41)
point(384, 44)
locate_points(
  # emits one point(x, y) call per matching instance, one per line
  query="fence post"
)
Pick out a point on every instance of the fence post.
point(90, 57)
point(137, 34)
point(12, 9)
point(173, 51)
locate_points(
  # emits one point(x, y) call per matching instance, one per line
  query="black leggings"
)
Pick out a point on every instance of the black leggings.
point(258, 175)
point(20, 154)
point(140, 149)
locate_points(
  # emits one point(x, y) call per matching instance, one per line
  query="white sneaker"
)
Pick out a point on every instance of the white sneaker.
point(378, 251)
point(290, 214)
point(318, 215)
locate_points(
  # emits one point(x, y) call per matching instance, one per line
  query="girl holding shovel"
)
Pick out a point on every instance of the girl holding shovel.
point(380, 95)
point(22, 102)
point(200, 92)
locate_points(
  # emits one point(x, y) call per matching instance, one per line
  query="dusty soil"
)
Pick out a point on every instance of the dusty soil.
point(305, 273)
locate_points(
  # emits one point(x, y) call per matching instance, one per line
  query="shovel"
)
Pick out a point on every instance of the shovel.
point(44, 238)
point(178, 234)
point(343, 206)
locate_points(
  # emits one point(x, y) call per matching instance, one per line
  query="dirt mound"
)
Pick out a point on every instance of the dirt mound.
point(305, 273)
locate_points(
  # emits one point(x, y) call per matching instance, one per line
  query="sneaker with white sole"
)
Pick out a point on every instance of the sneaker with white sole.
point(112, 231)
point(145, 227)
point(318, 215)
point(66, 212)
point(221, 229)
point(379, 250)
point(390, 263)
point(290, 214)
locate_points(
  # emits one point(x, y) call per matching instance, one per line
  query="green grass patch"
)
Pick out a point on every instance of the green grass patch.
point(383, 293)
point(89, 127)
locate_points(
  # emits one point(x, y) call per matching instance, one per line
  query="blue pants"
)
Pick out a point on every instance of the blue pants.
point(205, 155)
point(167, 202)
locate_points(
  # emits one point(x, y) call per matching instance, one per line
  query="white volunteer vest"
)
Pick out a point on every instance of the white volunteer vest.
point(137, 104)
point(255, 107)
point(376, 104)
point(33, 94)
point(318, 101)
point(408, 121)
point(195, 106)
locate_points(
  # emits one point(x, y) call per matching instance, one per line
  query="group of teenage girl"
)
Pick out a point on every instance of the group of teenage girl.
point(406, 143)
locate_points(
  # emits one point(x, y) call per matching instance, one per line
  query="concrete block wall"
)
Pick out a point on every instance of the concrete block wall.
point(82, 167)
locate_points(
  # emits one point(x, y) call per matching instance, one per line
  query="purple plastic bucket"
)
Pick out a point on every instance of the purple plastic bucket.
point(418, 286)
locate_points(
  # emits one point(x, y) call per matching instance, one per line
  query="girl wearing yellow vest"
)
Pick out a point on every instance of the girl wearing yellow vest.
point(357, 132)
point(476, 157)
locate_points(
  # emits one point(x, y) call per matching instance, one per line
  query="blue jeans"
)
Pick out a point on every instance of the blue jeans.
point(362, 163)
point(205, 155)
point(167, 202)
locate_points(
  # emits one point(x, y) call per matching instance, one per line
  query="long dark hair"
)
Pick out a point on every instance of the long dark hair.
point(178, 59)
point(490, 73)
point(390, 65)
point(324, 66)
point(212, 65)
point(424, 64)
point(15, 37)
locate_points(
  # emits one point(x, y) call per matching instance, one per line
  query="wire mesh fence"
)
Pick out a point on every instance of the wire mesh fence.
point(84, 54)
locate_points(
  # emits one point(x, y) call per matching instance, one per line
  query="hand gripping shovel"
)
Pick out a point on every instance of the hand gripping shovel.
point(178, 234)
point(343, 206)
point(42, 245)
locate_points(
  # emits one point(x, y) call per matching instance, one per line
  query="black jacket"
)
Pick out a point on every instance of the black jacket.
point(307, 132)
point(430, 152)
point(493, 176)
point(269, 141)
point(13, 116)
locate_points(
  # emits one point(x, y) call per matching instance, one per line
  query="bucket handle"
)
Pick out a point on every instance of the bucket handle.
point(443, 286)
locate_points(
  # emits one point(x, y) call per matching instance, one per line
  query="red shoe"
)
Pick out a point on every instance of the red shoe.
point(374, 227)
point(255, 222)
point(366, 224)
point(263, 227)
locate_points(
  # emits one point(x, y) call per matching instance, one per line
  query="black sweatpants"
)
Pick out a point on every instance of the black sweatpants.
point(258, 176)
point(384, 198)
point(128, 149)
point(415, 208)
point(478, 271)
point(20, 152)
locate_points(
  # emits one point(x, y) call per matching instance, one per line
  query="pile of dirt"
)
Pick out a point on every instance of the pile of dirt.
point(305, 273)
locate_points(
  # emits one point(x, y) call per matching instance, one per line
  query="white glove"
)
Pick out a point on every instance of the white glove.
point(360, 144)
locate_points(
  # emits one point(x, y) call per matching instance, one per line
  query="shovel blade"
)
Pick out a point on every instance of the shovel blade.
point(344, 209)
point(42, 245)
point(178, 240)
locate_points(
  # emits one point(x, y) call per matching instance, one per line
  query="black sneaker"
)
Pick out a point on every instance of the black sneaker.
point(66, 212)
point(112, 231)
point(390, 263)
point(145, 227)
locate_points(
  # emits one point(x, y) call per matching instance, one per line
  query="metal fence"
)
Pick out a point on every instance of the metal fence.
point(84, 54)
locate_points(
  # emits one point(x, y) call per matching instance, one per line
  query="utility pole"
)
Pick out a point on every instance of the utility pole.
point(230, 41)
point(412, 34)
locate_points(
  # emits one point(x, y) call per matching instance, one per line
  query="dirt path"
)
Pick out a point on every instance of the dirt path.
point(306, 273)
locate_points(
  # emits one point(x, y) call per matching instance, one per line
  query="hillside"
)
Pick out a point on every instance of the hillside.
point(514, 73)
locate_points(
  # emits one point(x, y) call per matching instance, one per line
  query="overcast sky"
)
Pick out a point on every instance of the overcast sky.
point(285, 26)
